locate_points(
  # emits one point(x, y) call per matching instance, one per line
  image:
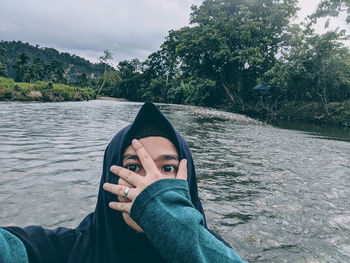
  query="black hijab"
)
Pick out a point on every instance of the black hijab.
point(103, 236)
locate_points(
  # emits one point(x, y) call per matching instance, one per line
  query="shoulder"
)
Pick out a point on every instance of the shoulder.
point(12, 249)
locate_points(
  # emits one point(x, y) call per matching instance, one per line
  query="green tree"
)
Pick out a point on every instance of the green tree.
point(22, 68)
point(37, 70)
point(105, 60)
point(161, 64)
point(332, 8)
point(56, 72)
point(131, 84)
point(200, 92)
point(315, 69)
point(155, 90)
point(3, 68)
point(82, 80)
point(232, 43)
point(112, 84)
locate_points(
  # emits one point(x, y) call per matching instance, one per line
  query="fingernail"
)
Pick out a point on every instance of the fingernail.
point(136, 142)
point(105, 186)
point(185, 161)
point(112, 169)
point(113, 205)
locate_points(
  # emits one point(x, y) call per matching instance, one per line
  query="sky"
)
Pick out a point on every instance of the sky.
point(128, 28)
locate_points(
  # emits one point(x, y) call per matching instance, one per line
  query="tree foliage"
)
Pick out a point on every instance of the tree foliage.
point(111, 80)
point(31, 71)
point(229, 47)
point(231, 42)
point(22, 68)
point(316, 69)
point(72, 65)
point(105, 60)
point(333, 8)
point(3, 68)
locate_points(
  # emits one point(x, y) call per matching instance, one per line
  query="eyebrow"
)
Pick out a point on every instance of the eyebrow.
point(165, 157)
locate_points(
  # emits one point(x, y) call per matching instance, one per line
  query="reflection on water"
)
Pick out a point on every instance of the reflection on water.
point(277, 195)
point(323, 131)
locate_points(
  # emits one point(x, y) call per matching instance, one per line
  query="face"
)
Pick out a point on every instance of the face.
point(165, 157)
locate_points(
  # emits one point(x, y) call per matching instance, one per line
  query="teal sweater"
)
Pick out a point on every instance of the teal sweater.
point(171, 223)
point(12, 249)
point(175, 228)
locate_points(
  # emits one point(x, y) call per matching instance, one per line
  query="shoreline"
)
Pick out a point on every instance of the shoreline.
point(339, 112)
point(109, 98)
point(42, 91)
point(297, 113)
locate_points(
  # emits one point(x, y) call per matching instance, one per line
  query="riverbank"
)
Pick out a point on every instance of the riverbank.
point(42, 91)
point(110, 98)
point(338, 113)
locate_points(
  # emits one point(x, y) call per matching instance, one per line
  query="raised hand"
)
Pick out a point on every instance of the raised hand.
point(140, 182)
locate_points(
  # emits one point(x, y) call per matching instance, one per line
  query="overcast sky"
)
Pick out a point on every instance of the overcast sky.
point(128, 28)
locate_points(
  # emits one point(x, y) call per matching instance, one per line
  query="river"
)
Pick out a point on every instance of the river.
point(276, 194)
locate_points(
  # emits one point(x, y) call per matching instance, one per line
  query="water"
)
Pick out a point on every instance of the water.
point(276, 195)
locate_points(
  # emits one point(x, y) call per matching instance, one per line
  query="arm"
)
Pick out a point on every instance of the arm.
point(12, 249)
point(164, 208)
point(44, 245)
point(164, 211)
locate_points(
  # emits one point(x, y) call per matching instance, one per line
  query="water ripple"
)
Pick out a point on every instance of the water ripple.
point(277, 195)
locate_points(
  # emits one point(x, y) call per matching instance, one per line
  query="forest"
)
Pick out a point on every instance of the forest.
point(239, 55)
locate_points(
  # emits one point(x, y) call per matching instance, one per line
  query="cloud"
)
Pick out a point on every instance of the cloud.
point(129, 29)
point(309, 7)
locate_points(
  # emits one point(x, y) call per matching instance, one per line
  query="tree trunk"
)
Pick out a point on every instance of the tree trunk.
point(325, 101)
point(103, 83)
point(104, 80)
point(228, 92)
point(235, 98)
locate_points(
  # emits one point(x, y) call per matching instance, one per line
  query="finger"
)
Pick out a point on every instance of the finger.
point(182, 171)
point(146, 160)
point(120, 190)
point(122, 207)
point(123, 199)
point(127, 175)
point(121, 181)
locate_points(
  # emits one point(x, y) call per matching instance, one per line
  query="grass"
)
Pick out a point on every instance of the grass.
point(42, 91)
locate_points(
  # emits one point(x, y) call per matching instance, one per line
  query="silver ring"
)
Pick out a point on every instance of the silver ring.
point(126, 191)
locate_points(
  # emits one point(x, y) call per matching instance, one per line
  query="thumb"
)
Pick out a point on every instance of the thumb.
point(182, 171)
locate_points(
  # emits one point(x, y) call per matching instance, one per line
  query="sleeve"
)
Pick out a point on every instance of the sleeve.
point(12, 249)
point(44, 245)
point(175, 228)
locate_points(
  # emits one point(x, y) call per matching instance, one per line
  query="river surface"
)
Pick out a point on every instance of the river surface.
point(275, 194)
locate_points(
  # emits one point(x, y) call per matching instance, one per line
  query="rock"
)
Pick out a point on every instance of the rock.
point(77, 96)
point(35, 95)
point(48, 96)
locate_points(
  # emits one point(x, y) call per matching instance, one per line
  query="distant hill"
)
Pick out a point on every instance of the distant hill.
point(73, 65)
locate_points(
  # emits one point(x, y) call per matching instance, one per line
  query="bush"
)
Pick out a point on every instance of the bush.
point(63, 92)
point(201, 92)
point(41, 85)
point(176, 94)
point(5, 94)
point(6, 83)
point(42, 91)
point(342, 114)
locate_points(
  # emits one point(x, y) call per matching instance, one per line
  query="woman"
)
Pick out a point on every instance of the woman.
point(162, 219)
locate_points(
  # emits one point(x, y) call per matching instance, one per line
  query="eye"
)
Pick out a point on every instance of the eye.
point(169, 168)
point(133, 167)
